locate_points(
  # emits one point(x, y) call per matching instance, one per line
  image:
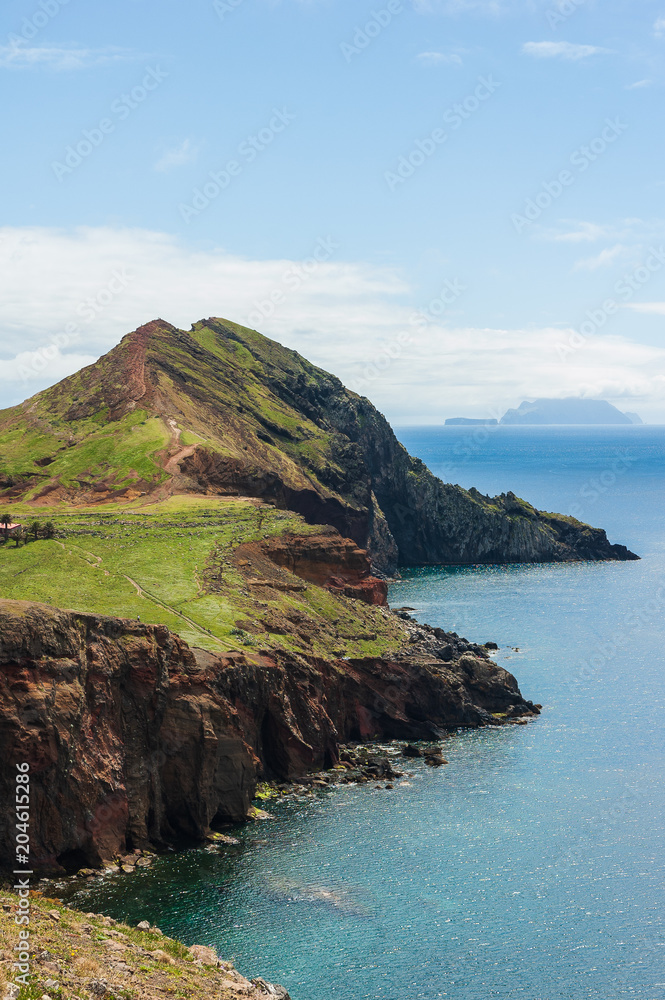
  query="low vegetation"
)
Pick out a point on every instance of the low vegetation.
point(173, 563)
point(86, 956)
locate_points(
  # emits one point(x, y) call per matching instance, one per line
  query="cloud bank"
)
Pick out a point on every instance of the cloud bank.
point(69, 296)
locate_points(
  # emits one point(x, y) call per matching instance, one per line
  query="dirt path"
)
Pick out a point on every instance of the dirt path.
point(142, 592)
point(167, 607)
point(171, 464)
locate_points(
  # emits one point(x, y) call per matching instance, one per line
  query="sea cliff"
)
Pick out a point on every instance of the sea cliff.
point(136, 741)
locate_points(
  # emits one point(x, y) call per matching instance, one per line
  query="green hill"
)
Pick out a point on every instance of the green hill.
point(222, 411)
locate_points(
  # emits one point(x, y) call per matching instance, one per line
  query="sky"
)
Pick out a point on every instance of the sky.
point(453, 205)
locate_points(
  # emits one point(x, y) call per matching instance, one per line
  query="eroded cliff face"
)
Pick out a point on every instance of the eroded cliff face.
point(431, 522)
point(330, 561)
point(135, 740)
point(128, 743)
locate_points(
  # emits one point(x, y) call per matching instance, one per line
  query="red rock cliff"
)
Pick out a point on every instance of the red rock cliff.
point(133, 739)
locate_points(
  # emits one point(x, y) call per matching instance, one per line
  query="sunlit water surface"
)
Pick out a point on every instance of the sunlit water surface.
point(532, 865)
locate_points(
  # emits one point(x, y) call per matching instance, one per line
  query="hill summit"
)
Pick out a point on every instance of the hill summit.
point(221, 410)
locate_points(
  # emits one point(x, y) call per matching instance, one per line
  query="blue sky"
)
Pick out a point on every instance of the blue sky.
point(452, 205)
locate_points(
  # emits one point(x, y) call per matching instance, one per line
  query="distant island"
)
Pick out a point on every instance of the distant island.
point(555, 411)
point(568, 411)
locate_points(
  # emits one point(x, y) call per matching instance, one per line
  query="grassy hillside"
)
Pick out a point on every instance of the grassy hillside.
point(175, 562)
point(112, 427)
point(87, 955)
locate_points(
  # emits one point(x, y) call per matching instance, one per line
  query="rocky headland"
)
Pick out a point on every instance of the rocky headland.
point(221, 410)
point(222, 520)
point(137, 741)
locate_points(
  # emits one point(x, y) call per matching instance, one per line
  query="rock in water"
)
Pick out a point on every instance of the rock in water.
point(271, 990)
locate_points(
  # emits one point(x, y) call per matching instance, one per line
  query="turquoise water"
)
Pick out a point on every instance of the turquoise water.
point(532, 865)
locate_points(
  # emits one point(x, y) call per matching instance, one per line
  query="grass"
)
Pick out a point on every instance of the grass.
point(120, 453)
point(173, 563)
point(82, 948)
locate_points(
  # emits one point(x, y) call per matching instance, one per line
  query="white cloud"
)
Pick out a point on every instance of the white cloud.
point(584, 232)
point(638, 85)
point(58, 57)
point(27, 367)
point(632, 230)
point(649, 308)
point(347, 317)
point(659, 27)
point(436, 58)
point(562, 50)
point(605, 258)
point(186, 152)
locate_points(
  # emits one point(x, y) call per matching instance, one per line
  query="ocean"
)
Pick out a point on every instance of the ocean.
point(531, 866)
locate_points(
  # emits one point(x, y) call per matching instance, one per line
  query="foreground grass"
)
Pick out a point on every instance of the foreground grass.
point(172, 563)
point(77, 955)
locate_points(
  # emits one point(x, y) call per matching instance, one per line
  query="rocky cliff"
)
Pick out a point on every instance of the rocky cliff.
point(134, 739)
point(327, 560)
point(222, 410)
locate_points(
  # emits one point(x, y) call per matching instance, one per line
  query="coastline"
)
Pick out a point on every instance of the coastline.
point(137, 740)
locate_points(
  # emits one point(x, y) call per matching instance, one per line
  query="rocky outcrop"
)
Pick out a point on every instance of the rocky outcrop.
point(92, 955)
point(436, 523)
point(134, 739)
point(330, 561)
